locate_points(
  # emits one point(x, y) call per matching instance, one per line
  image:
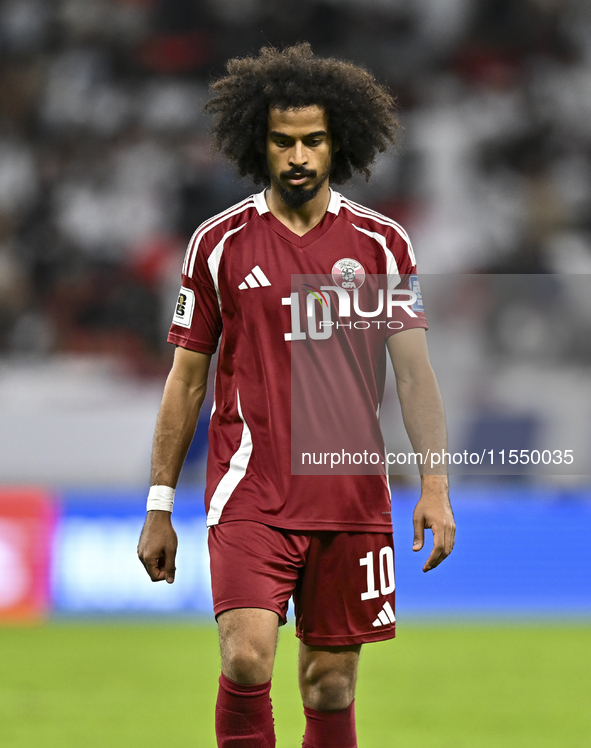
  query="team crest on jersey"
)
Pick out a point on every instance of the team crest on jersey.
point(348, 273)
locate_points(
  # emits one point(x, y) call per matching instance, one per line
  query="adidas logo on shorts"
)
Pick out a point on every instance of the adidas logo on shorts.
point(255, 279)
point(385, 616)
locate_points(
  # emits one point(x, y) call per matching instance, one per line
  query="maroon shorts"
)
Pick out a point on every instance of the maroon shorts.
point(342, 582)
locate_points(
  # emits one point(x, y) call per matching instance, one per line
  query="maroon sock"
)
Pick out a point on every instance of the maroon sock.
point(330, 729)
point(243, 715)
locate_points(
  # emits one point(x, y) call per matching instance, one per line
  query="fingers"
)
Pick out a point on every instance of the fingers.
point(433, 511)
point(419, 527)
point(157, 549)
point(435, 557)
point(159, 564)
point(169, 570)
point(153, 565)
point(443, 543)
point(160, 567)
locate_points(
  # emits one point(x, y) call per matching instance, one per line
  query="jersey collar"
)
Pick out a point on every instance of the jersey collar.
point(260, 203)
point(309, 237)
point(334, 204)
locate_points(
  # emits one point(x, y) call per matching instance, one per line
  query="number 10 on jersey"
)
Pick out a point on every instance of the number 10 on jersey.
point(386, 572)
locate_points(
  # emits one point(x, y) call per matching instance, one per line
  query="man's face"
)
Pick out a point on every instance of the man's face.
point(299, 153)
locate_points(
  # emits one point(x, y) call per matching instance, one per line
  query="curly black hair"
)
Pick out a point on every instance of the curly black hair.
point(360, 110)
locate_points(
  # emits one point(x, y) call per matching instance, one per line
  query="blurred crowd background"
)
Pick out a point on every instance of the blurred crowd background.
point(106, 169)
point(106, 166)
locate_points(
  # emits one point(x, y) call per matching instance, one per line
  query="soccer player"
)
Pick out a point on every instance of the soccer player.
point(293, 122)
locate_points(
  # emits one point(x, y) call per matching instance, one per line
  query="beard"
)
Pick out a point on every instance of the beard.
point(297, 196)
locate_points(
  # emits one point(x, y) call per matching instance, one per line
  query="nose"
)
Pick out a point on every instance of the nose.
point(297, 155)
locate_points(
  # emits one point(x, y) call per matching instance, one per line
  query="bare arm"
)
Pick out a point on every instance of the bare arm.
point(424, 420)
point(183, 397)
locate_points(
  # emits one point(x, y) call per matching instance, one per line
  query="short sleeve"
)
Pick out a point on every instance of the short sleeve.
point(197, 319)
point(408, 312)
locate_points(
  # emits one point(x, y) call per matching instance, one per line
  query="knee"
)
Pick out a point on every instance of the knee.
point(327, 689)
point(247, 642)
point(247, 664)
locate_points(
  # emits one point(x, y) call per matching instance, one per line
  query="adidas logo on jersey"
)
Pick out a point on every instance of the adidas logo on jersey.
point(255, 279)
point(385, 616)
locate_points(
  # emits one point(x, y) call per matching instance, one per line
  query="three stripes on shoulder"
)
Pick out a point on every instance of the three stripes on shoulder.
point(255, 279)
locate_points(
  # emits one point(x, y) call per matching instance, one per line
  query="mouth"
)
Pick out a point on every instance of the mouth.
point(297, 179)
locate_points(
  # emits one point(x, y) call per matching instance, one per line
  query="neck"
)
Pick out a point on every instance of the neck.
point(299, 220)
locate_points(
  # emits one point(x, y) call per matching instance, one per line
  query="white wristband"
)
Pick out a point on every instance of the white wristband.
point(160, 498)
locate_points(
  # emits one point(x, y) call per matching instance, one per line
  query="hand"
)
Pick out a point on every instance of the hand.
point(433, 511)
point(157, 546)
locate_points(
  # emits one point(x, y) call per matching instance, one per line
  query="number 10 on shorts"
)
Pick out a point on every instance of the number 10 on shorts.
point(386, 571)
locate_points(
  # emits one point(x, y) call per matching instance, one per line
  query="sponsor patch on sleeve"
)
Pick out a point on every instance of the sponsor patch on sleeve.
point(183, 314)
point(415, 286)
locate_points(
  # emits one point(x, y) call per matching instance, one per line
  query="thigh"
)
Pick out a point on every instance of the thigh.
point(254, 566)
point(346, 593)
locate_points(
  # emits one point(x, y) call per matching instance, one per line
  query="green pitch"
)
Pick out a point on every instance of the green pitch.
point(122, 685)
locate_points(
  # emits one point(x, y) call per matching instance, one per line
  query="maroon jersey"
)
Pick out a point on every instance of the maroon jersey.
point(272, 295)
